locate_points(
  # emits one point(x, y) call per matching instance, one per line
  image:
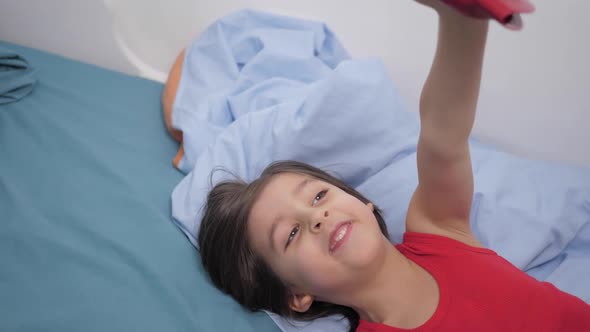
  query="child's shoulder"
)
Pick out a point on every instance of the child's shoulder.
point(441, 244)
point(414, 226)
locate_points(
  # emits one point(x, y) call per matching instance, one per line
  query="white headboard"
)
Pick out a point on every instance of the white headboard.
point(536, 82)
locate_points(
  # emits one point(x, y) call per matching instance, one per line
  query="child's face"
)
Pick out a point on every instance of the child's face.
point(317, 238)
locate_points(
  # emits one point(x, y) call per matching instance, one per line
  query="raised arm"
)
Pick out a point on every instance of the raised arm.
point(442, 201)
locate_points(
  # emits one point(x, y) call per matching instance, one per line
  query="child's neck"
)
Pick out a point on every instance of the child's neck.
point(402, 294)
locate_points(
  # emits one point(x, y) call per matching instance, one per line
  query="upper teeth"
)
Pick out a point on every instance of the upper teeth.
point(341, 233)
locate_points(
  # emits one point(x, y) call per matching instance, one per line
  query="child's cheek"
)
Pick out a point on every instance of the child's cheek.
point(315, 272)
point(321, 281)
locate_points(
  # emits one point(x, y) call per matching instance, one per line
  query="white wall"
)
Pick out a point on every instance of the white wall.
point(533, 98)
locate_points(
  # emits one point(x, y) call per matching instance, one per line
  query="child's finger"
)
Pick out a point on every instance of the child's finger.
point(521, 6)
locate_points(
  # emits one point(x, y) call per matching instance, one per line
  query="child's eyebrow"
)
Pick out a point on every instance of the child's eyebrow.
point(299, 188)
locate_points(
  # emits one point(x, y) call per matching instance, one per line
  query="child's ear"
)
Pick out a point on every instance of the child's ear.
point(371, 206)
point(300, 302)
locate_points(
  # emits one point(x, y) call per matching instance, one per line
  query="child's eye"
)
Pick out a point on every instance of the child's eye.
point(319, 196)
point(292, 235)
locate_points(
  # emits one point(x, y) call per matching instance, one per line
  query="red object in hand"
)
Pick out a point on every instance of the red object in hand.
point(507, 12)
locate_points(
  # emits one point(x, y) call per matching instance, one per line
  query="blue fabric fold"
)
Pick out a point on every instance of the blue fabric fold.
point(17, 77)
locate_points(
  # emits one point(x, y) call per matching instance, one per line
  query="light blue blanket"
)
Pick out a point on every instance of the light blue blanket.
point(257, 88)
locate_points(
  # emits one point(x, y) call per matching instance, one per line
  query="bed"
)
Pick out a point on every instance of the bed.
point(88, 240)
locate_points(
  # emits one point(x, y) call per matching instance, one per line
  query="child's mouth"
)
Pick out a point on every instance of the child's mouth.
point(339, 234)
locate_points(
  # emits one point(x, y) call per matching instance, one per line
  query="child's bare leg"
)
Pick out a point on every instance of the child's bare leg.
point(169, 94)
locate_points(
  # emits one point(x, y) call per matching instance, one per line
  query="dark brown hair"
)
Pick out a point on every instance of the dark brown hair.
point(232, 264)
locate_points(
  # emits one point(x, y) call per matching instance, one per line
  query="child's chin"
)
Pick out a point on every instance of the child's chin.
point(362, 252)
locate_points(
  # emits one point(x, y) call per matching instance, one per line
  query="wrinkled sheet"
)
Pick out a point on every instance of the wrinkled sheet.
point(257, 87)
point(17, 77)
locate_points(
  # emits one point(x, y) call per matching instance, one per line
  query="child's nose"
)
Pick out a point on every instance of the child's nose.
point(318, 224)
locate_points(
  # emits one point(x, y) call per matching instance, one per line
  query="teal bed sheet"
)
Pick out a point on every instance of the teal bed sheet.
point(86, 238)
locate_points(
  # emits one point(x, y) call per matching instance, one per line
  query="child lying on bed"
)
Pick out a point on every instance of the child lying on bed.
point(302, 244)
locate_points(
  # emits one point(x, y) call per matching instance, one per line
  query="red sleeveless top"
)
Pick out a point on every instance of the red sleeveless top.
point(480, 291)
